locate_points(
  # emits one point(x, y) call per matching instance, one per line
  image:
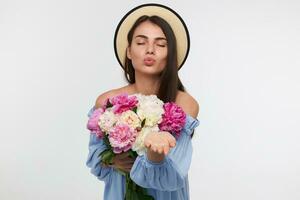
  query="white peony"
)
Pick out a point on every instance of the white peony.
point(150, 107)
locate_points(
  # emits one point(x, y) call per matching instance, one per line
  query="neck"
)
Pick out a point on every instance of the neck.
point(146, 84)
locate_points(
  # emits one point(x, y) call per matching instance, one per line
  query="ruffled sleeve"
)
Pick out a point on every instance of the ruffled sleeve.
point(97, 146)
point(169, 174)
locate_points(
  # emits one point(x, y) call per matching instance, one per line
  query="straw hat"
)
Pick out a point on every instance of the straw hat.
point(178, 26)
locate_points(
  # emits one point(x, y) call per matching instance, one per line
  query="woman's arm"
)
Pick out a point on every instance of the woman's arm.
point(159, 144)
point(169, 173)
point(166, 172)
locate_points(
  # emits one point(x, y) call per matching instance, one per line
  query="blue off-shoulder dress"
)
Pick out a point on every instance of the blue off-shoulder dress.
point(166, 180)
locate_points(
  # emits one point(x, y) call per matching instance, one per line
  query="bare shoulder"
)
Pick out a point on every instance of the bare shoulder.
point(108, 94)
point(188, 103)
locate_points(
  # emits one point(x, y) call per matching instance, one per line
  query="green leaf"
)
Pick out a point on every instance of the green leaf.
point(106, 140)
point(108, 104)
point(147, 197)
point(132, 154)
point(134, 191)
point(143, 122)
point(134, 109)
point(107, 156)
point(135, 196)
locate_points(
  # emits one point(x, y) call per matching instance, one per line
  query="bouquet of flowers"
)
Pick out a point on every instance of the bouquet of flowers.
point(125, 120)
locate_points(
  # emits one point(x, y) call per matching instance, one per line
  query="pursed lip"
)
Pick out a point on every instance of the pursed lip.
point(148, 61)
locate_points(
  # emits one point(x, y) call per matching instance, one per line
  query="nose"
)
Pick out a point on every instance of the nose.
point(150, 49)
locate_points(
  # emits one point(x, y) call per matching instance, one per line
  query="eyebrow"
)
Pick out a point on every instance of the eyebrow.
point(145, 37)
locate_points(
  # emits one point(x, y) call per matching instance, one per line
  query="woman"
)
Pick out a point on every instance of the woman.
point(150, 67)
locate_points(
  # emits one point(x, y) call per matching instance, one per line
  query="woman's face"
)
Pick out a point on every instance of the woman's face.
point(148, 50)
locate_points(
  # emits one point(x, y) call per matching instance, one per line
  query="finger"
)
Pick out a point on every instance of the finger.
point(127, 170)
point(126, 158)
point(147, 143)
point(172, 144)
point(160, 149)
point(153, 148)
point(123, 169)
point(123, 155)
point(172, 141)
point(125, 166)
point(170, 137)
point(166, 149)
point(131, 161)
point(123, 162)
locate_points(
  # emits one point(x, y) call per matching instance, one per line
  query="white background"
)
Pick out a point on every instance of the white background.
point(56, 57)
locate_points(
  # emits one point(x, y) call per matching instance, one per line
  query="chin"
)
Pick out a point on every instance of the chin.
point(149, 72)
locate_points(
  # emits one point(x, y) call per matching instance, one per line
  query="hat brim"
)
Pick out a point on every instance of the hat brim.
point(176, 22)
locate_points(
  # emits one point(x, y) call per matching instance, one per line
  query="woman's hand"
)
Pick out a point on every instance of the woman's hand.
point(122, 162)
point(160, 142)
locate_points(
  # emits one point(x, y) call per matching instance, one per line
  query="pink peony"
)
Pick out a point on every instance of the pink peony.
point(122, 137)
point(123, 102)
point(92, 124)
point(173, 119)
